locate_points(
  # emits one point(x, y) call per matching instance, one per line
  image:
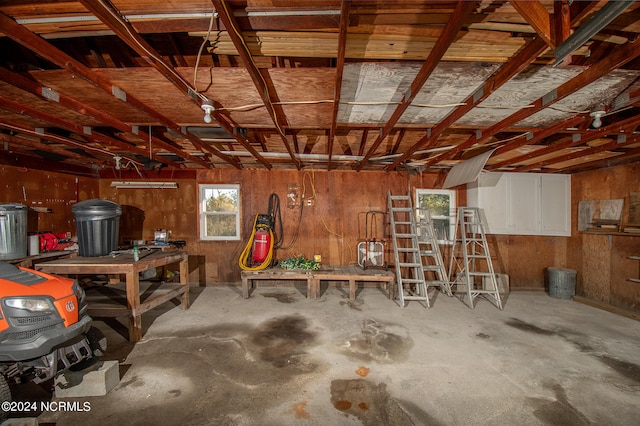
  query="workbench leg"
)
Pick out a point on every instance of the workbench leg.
point(313, 288)
point(184, 280)
point(133, 303)
point(245, 287)
point(352, 290)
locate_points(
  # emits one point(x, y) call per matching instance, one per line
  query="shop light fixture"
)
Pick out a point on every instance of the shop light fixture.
point(143, 185)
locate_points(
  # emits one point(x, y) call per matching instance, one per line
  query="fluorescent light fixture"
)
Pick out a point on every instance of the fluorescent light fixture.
point(143, 185)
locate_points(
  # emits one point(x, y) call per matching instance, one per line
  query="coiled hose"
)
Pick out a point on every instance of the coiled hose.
point(243, 261)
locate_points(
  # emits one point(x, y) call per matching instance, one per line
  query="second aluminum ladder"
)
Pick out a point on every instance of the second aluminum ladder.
point(471, 264)
point(432, 263)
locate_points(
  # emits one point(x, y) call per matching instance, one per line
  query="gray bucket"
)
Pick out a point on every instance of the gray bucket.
point(13, 231)
point(562, 282)
point(97, 226)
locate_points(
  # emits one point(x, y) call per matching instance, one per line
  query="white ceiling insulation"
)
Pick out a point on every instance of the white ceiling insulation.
point(371, 92)
point(528, 86)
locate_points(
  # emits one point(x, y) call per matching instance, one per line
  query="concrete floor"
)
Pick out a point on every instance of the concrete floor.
point(279, 359)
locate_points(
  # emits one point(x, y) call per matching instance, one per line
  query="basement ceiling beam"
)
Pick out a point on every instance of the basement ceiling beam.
point(461, 12)
point(48, 94)
point(573, 140)
point(517, 63)
point(114, 20)
point(38, 45)
point(537, 16)
point(86, 133)
point(266, 91)
point(627, 157)
point(616, 128)
point(41, 133)
point(620, 141)
point(618, 57)
point(20, 141)
point(532, 138)
point(342, 47)
point(561, 21)
point(363, 140)
point(231, 127)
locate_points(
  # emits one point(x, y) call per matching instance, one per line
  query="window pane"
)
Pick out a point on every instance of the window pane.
point(221, 200)
point(222, 225)
point(220, 212)
point(441, 209)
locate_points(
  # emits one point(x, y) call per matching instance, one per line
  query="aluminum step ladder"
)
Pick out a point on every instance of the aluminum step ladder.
point(470, 263)
point(406, 250)
point(435, 273)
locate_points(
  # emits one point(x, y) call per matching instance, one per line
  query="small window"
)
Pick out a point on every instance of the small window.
point(441, 203)
point(220, 212)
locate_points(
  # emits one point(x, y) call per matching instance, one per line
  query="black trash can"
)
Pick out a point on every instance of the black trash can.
point(97, 226)
point(13, 231)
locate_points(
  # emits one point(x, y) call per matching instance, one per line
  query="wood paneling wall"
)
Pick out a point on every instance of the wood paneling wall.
point(332, 227)
point(46, 190)
point(602, 261)
point(335, 224)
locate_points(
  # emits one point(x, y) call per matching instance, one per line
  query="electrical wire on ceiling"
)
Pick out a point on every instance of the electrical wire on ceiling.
point(266, 95)
point(250, 107)
point(204, 42)
point(559, 108)
point(122, 20)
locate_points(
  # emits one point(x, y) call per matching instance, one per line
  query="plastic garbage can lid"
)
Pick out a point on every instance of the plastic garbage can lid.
point(96, 207)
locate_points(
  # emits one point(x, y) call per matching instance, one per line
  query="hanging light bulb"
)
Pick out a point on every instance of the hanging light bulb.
point(208, 108)
point(117, 159)
point(597, 119)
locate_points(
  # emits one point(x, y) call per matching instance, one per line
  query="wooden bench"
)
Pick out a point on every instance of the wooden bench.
point(352, 274)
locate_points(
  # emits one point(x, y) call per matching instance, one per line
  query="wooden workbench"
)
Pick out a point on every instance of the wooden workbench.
point(31, 261)
point(352, 274)
point(123, 264)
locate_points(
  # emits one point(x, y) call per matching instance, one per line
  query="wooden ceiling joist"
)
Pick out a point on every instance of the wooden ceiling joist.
point(51, 53)
point(532, 138)
point(342, 43)
point(618, 58)
point(436, 85)
point(34, 88)
point(112, 18)
point(537, 16)
point(259, 78)
point(520, 61)
point(572, 141)
point(461, 13)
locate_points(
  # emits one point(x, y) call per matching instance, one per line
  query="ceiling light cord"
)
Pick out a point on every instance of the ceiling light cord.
point(122, 20)
point(266, 98)
point(206, 39)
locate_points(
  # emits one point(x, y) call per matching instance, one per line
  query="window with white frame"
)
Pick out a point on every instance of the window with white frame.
point(441, 204)
point(219, 212)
